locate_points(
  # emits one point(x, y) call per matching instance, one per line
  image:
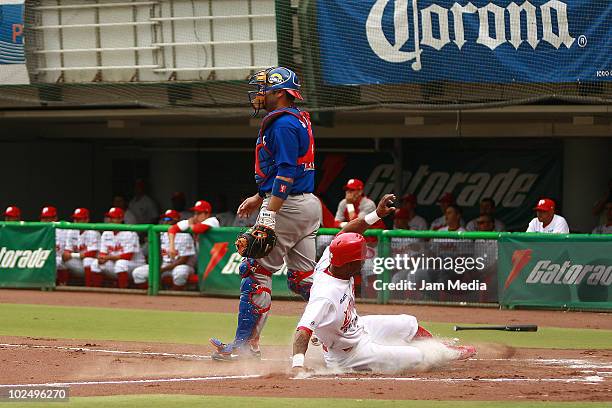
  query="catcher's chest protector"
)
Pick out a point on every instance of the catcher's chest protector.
point(264, 158)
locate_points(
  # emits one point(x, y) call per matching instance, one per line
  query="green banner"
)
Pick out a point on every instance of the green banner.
point(218, 264)
point(563, 272)
point(27, 256)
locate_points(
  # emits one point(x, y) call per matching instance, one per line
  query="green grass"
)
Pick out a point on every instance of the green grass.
point(187, 401)
point(196, 327)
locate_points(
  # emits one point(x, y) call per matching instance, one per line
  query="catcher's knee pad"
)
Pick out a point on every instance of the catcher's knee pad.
point(255, 300)
point(299, 282)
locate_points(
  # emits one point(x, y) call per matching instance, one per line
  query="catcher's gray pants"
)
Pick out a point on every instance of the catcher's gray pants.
point(297, 223)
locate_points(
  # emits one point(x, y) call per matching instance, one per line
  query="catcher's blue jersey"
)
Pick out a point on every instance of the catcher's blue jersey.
point(285, 147)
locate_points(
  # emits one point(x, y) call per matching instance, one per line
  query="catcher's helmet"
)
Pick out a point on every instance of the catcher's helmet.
point(273, 79)
point(349, 247)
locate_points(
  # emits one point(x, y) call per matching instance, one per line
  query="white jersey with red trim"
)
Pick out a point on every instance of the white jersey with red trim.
point(82, 241)
point(331, 312)
point(183, 243)
point(60, 241)
point(121, 242)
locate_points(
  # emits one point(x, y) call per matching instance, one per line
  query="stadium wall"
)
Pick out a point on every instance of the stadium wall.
point(81, 172)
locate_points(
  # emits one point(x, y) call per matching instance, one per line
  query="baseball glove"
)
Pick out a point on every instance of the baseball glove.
point(256, 242)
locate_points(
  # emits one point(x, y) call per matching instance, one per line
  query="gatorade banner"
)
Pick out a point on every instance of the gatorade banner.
point(27, 256)
point(218, 264)
point(12, 53)
point(514, 178)
point(574, 272)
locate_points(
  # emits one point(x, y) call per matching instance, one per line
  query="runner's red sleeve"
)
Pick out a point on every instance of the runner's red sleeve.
point(306, 329)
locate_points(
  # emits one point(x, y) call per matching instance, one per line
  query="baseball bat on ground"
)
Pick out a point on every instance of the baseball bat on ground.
point(516, 327)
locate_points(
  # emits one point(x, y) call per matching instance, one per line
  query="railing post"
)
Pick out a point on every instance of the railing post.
point(154, 261)
point(383, 252)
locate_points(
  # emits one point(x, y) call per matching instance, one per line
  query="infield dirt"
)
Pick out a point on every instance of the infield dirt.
point(498, 372)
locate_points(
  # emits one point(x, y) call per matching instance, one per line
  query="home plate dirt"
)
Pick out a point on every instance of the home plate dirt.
point(114, 368)
point(111, 368)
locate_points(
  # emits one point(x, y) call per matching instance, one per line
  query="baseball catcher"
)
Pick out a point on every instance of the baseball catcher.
point(289, 214)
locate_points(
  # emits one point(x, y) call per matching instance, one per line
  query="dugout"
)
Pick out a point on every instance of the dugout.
point(72, 158)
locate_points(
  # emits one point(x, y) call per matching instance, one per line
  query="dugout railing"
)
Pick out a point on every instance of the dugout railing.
point(523, 269)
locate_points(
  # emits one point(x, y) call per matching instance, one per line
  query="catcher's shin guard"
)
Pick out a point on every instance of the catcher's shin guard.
point(300, 282)
point(249, 312)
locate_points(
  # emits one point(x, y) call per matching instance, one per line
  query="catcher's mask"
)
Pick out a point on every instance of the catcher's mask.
point(272, 79)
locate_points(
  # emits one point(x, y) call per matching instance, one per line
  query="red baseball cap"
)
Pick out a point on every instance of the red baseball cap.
point(115, 212)
point(202, 206)
point(170, 215)
point(48, 212)
point(80, 214)
point(411, 198)
point(349, 247)
point(12, 211)
point(545, 204)
point(448, 198)
point(353, 184)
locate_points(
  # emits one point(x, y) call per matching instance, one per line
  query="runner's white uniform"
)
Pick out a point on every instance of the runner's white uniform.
point(81, 242)
point(377, 342)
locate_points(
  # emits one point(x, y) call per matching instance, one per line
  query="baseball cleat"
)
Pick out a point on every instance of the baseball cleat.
point(422, 333)
point(229, 352)
point(464, 352)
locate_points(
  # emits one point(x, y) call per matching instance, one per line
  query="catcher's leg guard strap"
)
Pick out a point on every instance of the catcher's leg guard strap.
point(255, 301)
point(300, 282)
point(249, 267)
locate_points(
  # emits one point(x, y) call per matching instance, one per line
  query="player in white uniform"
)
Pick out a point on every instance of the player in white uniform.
point(80, 250)
point(201, 222)
point(49, 214)
point(606, 227)
point(382, 343)
point(173, 271)
point(119, 253)
point(547, 221)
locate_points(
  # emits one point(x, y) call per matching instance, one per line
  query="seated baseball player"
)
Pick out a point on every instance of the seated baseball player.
point(174, 271)
point(200, 222)
point(119, 253)
point(49, 214)
point(384, 343)
point(80, 251)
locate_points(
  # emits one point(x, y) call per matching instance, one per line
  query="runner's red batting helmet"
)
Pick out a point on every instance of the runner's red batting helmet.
point(349, 247)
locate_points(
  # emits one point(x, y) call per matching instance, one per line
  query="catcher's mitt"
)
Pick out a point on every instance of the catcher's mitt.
point(256, 242)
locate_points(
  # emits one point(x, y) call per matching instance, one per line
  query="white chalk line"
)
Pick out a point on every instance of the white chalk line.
point(121, 352)
point(586, 380)
point(145, 381)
